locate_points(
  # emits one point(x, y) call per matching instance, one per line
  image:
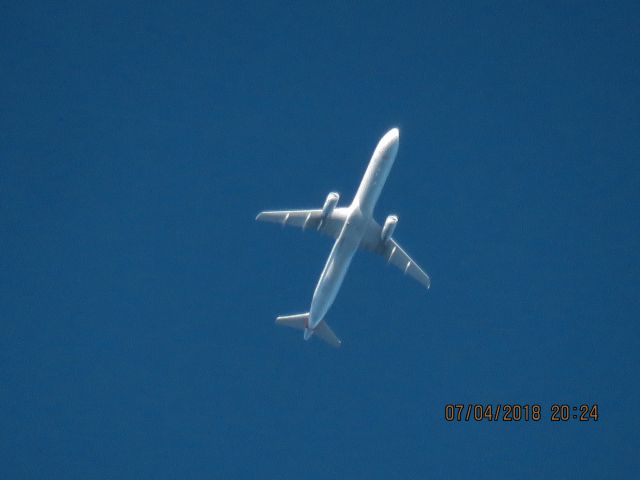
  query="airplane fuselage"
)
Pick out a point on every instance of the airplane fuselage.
point(360, 213)
point(353, 228)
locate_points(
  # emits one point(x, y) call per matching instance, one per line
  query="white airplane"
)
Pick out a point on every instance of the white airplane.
point(353, 227)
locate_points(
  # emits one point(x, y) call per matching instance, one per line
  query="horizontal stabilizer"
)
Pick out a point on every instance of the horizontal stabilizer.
point(325, 333)
point(301, 321)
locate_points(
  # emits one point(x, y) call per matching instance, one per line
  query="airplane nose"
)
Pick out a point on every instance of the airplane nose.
point(388, 144)
point(392, 136)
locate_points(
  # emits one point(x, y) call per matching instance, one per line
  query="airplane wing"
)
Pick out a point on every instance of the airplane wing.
point(307, 219)
point(394, 254)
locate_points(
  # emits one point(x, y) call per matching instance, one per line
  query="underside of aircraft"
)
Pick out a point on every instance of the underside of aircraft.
point(353, 228)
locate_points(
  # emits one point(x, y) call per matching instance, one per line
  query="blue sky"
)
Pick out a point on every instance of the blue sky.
point(137, 144)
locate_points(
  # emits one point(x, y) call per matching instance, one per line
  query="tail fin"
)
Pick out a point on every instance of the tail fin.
point(301, 322)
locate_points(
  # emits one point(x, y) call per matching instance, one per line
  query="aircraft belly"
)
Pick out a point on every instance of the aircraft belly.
point(353, 227)
point(376, 174)
point(333, 275)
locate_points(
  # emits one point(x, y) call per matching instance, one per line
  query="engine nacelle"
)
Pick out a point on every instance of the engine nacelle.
point(389, 227)
point(329, 204)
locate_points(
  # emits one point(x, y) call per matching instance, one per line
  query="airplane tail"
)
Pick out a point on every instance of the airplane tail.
point(301, 322)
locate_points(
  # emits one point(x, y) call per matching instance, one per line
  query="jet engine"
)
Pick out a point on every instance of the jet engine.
point(389, 227)
point(329, 204)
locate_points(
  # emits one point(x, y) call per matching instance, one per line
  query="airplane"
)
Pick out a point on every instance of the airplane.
point(353, 228)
